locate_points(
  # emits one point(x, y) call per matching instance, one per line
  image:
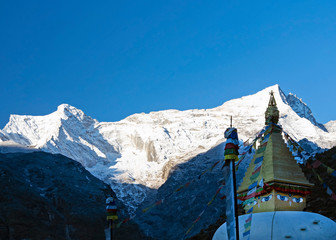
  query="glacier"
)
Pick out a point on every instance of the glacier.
point(137, 154)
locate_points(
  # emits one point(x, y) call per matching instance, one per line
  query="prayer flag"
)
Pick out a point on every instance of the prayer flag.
point(249, 219)
point(247, 225)
point(252, 185)
point(329, 191)
point(254, 176)
point(330, 170)
point(316, 164)
point(253, 190)
point(258, 160)
point(248, 201)
point(246, 233)
point(258, 165)
point(256, 170)
point(333, 196)
point(261, 183)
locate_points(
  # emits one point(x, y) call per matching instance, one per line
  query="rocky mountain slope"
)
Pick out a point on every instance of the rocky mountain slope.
point(46, 196)
point(137, 153)
point(50, 196)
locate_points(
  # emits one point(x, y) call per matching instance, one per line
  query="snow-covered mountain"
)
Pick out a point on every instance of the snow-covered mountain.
point(138, 152)
point(331, 126)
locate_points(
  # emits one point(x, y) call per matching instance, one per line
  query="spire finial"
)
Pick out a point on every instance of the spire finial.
point(272, 112)
point(231, 122)
point(272, 99)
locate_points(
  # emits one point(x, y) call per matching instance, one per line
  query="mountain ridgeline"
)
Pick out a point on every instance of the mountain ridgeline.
point(144, 157)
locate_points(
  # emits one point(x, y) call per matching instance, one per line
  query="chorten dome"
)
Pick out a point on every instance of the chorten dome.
point(280, 225)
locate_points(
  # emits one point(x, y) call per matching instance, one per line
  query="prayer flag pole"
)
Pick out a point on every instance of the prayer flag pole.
point(231, 156)
point(235, 197)
point(111, 212)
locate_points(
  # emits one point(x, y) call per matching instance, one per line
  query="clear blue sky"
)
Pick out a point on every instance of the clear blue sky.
point(115, 58)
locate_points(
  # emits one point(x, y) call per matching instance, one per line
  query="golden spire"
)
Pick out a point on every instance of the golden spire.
point(272, 112)
point(273, 181)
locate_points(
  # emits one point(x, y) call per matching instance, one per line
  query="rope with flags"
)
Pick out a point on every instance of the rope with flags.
point(179, 188)
point(237, 164)
point(318, 163)
point(187, 184)
point(299, 154)
point(204, 209)
point(324, 184)
point(250, 199)
point(302, 156)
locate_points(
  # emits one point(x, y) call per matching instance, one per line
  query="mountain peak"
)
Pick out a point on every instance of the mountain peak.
point(66, 110)
point(277, 91)
point(64, 106)
point(275, 88)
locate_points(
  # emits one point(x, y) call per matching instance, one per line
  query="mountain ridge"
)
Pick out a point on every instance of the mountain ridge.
point(140, 150)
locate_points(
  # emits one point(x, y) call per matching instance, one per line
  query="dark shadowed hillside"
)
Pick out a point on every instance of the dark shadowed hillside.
point(319, 201)
point(47, 196)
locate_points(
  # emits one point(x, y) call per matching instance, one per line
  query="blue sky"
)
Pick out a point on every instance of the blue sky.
point(115, 58)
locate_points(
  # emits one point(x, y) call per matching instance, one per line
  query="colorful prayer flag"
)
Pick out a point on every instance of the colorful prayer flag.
point(246, 233)
point(329, 191)
point(259, 159)
point(253, 190)
point(258, 165)
point(333, 196)
point(316, 164)
point(252, 185)
point(255, 176)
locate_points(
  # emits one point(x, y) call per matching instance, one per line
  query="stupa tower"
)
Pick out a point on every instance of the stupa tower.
point(274, 192)
point(273, 181)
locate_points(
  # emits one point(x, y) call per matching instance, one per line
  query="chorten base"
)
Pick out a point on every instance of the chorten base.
point(284, 225)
